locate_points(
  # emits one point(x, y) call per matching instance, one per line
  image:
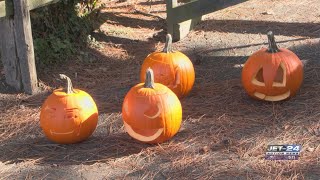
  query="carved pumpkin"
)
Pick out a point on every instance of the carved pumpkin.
point(272, 74)
point(151, 112)
point(171, 68)
point(68, 117)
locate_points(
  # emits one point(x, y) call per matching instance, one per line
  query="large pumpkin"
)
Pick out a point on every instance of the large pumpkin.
point(151, 112)
point(272, 74)
point(171, 68)
point(68, 116)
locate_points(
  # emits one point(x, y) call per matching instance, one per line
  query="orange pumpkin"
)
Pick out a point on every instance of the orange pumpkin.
point(272, 74)
point(171, 68)
point(68, 117)
point(151, 112)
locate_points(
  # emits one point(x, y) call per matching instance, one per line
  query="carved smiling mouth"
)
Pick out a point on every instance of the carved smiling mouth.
point(149, 135)
point(60, 133)
point(272, 98)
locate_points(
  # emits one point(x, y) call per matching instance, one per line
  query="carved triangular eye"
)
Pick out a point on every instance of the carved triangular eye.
point(258, 78)
point(280, 79)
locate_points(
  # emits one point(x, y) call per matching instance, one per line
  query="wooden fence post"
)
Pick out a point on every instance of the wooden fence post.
point(8, 53)
point(170, 4)
point(17, 49)
point(181, 29)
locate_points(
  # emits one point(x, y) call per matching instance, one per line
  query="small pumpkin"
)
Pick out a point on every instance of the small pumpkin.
point(272, 74)
point(171, 68)
point(68, 116)
point(151, 112)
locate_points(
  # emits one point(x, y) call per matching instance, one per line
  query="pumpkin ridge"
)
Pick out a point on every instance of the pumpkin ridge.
point(163, 113)
point(164, 61)
point(172, 65)
point(185, 79)
point(158, 90)
point(171, 130)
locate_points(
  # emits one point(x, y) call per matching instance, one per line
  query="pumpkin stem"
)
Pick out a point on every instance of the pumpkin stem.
point(149, 82)
point(69, 83)
point(273, 48)
point(168, 46)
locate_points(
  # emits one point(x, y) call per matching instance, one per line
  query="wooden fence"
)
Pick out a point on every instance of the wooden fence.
point(16, 44)
point(181, 19)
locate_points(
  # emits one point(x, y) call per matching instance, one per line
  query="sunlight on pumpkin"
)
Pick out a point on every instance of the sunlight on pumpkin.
point(87, 104)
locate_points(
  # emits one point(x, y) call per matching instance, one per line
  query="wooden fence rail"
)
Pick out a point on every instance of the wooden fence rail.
point(6, 7)
point(181, 19)
point(16, 44)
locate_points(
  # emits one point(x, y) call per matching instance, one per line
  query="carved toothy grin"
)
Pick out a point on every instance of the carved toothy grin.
point(156, 133)
point(272, 98)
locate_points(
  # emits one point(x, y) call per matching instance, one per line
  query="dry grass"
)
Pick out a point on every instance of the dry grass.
point(224, 134)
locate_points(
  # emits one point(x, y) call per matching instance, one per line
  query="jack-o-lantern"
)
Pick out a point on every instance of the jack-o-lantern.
point(68, 117)
point(151, 112)
point(171, 68)
point(272, 74)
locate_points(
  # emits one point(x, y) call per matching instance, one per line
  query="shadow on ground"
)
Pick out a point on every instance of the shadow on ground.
point(257, 27)
point(95, 149)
